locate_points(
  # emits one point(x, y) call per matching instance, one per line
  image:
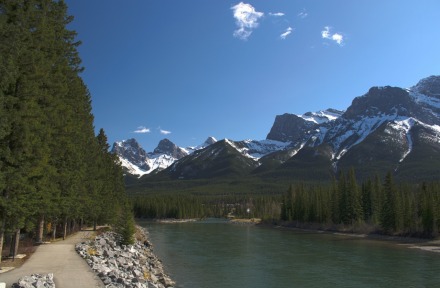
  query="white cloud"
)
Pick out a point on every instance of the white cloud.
point(286, 33)
point(303, 14)
point(164, 132)
point(337, 37)
point(278, 14)
point(142, 130)
point(246, 18)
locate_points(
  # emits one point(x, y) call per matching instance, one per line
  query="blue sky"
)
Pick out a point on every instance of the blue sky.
point(186, 70)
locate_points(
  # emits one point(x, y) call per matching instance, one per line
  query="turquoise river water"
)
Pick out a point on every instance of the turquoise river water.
point(213, 253)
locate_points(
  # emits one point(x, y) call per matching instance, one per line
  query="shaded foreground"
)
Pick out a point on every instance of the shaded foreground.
point(59, 258)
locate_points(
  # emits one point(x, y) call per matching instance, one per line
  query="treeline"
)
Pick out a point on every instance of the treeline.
point(188, 206)
point(374, 205)
point(53, 169)
point(412, 210)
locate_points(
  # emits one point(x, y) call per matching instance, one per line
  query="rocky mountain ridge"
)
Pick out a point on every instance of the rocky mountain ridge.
point(387, 128)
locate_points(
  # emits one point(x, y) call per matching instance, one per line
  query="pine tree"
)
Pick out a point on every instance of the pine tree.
point(354, 198)
point(388, 211)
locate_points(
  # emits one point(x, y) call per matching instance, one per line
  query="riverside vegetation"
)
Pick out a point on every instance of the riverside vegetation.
point(373, 206)
point(55, 173)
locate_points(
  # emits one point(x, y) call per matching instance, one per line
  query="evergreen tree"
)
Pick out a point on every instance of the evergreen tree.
point(388, 212)
point(52, 167)
point(354, 198)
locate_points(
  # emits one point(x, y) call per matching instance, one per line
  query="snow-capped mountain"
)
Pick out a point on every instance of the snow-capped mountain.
point(136, 161)
point(398, 108)
point(210, 140)
point(297, 128)
point(386, 129)
point(132, 155)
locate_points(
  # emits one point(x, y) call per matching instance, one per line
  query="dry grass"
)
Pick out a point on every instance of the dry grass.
point(147, 275)
point(92, 251)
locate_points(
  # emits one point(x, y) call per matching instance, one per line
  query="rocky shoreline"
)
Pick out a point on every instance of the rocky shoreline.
point(124, 266)
point(35, 280)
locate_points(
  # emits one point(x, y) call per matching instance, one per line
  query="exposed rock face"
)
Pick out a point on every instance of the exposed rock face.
point(35, 281)
point(126, 266)
point(429, 86)
point(380, 100)
point(167, 147)
point(289, 128)
point(133, 152)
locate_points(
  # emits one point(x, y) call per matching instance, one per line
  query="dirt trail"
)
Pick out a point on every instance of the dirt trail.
point(61, 259)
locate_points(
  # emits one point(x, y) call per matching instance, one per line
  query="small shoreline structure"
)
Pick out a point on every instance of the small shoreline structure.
point(124, 266)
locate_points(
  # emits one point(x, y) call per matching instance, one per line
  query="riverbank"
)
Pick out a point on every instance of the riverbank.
point(173, 220)
point(250, 221)
point(425, 244)
point(124, 266)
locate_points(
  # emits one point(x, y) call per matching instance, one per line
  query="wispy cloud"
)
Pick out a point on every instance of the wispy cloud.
point(246, 19)
point(337, 37)
point(303, 14)
point(278, 14)
point(288, 31)
point(164, 132)
point(142, 130)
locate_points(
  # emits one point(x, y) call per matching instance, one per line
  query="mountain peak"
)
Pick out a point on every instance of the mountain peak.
point(167, 147)
point(429, 86)
point(209, 141)
point(131, 151)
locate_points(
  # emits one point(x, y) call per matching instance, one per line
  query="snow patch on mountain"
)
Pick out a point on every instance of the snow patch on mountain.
point(211, 140)
point(358, 130)
point(257, 149)
point(132, 168)
point(404, 126)
point(159, 161)
point(322, 116)
point(421, 98)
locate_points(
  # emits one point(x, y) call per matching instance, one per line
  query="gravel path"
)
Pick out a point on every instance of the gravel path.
point(61, 259)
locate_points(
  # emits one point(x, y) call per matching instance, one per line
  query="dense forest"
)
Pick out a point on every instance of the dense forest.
point(375, 205)
point(54, 171)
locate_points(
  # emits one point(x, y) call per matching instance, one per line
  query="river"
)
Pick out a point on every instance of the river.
point(213, 253)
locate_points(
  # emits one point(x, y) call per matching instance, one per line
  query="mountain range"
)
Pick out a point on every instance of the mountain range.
point(386, 129)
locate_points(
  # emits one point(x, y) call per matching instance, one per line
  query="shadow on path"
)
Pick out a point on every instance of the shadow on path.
point(61, 259)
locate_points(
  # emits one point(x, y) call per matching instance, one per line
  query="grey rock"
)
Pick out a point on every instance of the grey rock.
point(124, 266)
point(35, 281)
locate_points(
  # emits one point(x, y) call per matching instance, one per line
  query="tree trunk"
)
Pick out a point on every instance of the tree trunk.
point(65, 229)
point(2, 236)
point(73, 226)
point(94, 225)
point(54, 230)
point(14, 245)
point(40, 233)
